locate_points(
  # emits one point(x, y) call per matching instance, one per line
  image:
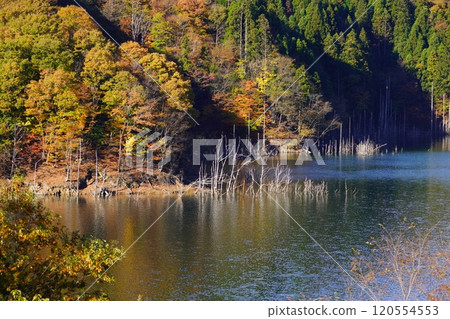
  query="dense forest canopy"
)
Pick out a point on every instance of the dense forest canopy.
point(233, 65)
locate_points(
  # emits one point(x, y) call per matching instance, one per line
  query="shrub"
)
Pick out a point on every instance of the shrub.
point(404, 264)
point(42, 260)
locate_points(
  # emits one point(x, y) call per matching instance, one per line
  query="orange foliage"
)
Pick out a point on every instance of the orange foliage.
point(193, 12)
point(247, 103)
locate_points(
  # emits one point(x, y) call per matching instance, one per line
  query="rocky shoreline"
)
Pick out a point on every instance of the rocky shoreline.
point(107, 184)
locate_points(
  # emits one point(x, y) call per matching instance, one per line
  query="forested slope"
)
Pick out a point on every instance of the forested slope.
point(65, 86)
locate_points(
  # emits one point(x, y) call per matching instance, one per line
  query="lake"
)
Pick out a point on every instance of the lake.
point(248, 248)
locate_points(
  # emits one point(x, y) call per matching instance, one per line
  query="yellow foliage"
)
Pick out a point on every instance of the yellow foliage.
point(170, 79)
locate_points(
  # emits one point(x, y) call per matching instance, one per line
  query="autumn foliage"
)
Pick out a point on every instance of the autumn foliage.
point(40, 259)
point(65, 83)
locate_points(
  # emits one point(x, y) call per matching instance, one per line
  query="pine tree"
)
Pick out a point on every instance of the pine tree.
point(382, 22)
point(352, 52)
point(314, 27)
point(401, 20)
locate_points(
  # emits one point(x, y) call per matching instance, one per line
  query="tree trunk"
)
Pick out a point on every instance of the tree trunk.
point(78, 169)
point(17, 137)
point(240, 36)
point(432, 109)
point(120, 151)
point(34, 175)
point(96, 172)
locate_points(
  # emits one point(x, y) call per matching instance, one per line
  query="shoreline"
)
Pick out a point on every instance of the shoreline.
point(55, 181)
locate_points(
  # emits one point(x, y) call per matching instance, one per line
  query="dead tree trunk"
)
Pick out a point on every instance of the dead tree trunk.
point(18, 135)
point(96, 172)
point(78, 168)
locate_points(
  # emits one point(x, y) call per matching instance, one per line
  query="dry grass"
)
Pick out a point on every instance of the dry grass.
point(367, 148)
point(310, 189)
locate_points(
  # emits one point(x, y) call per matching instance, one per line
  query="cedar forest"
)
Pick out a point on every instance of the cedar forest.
point(237, 67)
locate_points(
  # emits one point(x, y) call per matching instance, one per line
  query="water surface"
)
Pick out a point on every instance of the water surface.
point(247, 248)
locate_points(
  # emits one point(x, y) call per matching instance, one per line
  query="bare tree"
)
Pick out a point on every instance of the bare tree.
point(18, 135)
point(112, 10)
point(140, 24)
point(402, 265)
point(78, 166)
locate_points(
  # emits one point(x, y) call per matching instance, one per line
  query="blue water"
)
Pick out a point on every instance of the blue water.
point(248, 248)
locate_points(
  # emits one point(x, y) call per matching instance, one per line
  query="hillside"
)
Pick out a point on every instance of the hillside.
point(204, 68)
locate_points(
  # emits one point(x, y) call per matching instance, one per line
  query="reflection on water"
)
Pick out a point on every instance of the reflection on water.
point(243, 248)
